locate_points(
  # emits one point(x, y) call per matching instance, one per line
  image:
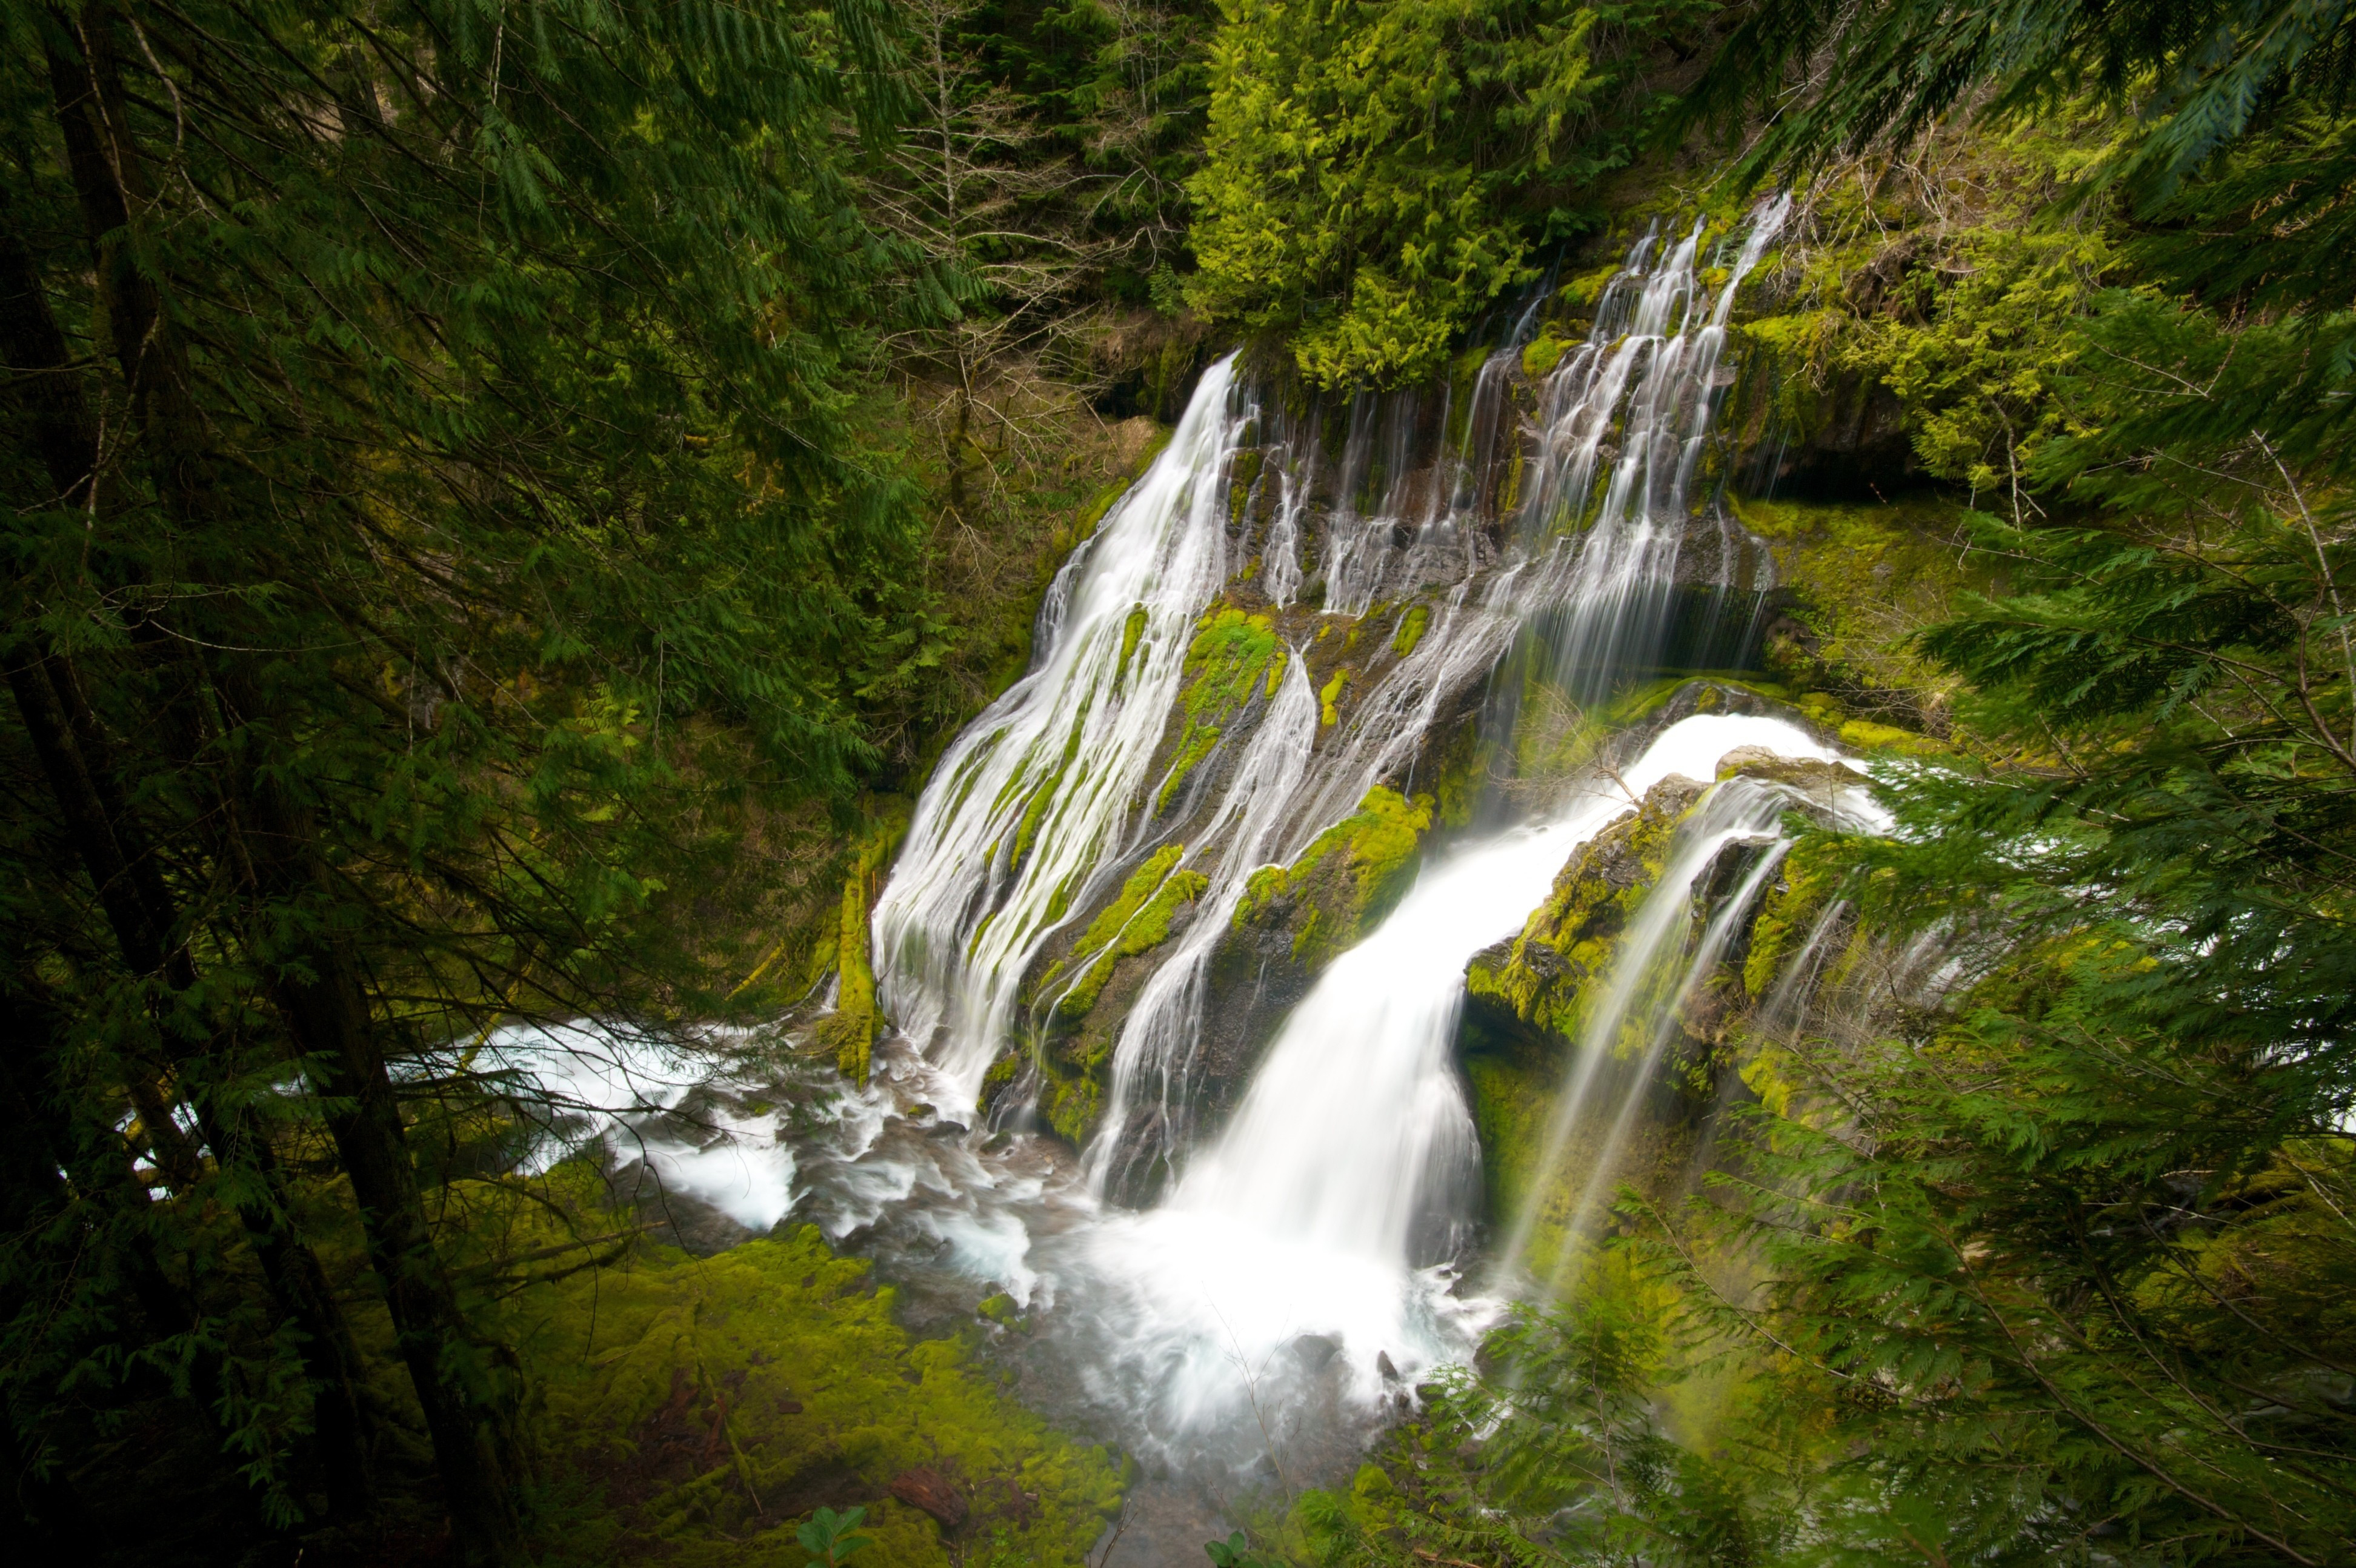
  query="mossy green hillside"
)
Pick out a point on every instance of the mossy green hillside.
point(1949, 288)
point(715, 1402)
point(1347, 879)
point(1543, 353)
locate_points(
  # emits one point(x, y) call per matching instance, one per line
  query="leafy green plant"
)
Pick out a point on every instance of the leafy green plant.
point(828, 1536)
point(1376, 174)
point(1234, 1551)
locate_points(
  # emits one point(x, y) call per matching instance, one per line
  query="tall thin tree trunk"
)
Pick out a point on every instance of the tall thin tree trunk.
point(317, 987)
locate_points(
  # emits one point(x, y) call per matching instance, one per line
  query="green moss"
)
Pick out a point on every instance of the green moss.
point(1458, 769)
point(1230, 650)
point(1142, 885)
point(1588, 287)
point(1512, 1102)
point(1043, 797)
point(849, 1030)
point(1347, 879)
point(1864, 580)
point(1069, 1103)
point(1329, 696)
point(1132, 630)
point(1275, 671)
point(1192, 747)
point(1137, 921)
point(1410, 629)
point(1866, 736)
point(1540, 975)
point(1810, 873)
point(1544, 353)
point(703, 1392)
point(999, 1308)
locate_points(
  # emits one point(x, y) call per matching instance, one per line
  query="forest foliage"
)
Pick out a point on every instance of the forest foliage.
point(1378, 175)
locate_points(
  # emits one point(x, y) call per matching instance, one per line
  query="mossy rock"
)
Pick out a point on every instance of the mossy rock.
point(713, 1404)
point(1855, 582)
point(848, 1033)
point(1539, 977)
point(1086, 991)
point(1345, 881)
point(1234, 656)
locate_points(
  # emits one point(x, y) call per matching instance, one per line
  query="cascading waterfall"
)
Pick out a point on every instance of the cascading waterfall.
point(1255, 804)
point(1647, 364)
point(1302, 1252)
point(1030, 808)
point(1355, 1122)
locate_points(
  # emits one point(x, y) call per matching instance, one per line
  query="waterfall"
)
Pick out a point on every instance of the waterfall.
point(1030, 811)
point(1322, 1213)
point(1648, 370)
point(1297, 1273)
point(1557, 518)
point(1159, 1038)
point(1356, 1116)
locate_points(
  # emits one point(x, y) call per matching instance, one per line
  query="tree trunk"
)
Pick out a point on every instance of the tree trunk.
point(269, 839)
point(68, 741)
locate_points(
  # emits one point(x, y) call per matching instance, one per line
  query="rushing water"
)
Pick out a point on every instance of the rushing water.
point(1301, 1267)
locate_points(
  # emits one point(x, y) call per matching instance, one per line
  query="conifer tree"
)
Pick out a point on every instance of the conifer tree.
point(409, 412)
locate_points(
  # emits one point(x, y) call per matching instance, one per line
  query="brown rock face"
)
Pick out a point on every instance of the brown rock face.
point(1801, 773)
point(933, 1492)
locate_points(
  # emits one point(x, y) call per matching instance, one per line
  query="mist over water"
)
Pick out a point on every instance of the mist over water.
point(1305, 1259)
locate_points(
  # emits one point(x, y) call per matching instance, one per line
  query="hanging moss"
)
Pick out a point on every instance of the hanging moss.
point(1512, 1089)
point(1410, 629)
point(716, 1402)
point(1328, 697)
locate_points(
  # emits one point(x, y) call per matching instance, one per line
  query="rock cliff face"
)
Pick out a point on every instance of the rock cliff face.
point(1533, 1001)
point(1538, 981)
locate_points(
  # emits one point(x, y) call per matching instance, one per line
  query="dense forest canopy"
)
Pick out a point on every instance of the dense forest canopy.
point(506, 502)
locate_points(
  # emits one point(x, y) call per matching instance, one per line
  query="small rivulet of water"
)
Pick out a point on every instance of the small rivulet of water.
point(1298, 1270)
